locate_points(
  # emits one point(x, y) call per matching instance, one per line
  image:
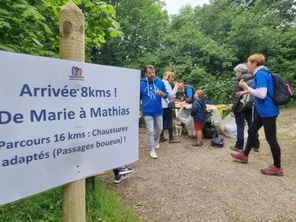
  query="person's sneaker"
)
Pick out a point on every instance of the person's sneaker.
point(156, 145)
point(153, 154)
point(255, 149)
point(161, 140)
point(272, 171)
point(125, 170)
point(234, 148)
point(174, 140)
point(240, 156)
point(119, 178)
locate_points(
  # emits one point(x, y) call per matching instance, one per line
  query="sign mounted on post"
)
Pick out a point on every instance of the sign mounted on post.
point(62, 120)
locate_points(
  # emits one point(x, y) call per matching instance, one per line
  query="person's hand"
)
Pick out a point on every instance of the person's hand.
point(182, 104)
point(160, 93)
point(232, 114)
point(241, 93)
point(243, 85)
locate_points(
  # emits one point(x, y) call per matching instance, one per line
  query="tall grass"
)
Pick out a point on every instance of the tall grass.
point(102, 205)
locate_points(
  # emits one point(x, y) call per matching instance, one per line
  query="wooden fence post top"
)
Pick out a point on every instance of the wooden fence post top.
point(72, 32)
point(71, 6)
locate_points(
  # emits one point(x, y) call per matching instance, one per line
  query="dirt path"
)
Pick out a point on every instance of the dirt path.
point(198, 184)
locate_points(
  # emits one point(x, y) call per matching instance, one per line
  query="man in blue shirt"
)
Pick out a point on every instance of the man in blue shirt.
point(152, 89)
point(188, 92)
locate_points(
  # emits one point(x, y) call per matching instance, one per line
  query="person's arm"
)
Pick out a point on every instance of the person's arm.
point(171, 93)
point(141, 94)
point(175, 90)
point(194, 109)
point(164, 90)
point(261, 88)
point(235, 98)
point(260, 93)
point(189, 92)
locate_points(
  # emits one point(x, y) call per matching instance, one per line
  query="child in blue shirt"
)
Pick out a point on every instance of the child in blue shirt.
point(199, 113)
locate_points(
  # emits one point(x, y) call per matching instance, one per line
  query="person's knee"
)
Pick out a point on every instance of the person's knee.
point(271, 139)
point(252, 132)
point(150, 131)
point(159, 130)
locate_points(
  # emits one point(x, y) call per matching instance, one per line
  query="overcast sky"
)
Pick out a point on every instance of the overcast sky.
point(174, 5)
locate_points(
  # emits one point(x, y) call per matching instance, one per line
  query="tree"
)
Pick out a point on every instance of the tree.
point(143, 23)
point(31, 26)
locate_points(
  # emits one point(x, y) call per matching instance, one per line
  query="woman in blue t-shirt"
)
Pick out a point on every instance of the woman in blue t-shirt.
point(263, 92)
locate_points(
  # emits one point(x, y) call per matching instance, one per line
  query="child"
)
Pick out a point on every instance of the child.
point(199, 112)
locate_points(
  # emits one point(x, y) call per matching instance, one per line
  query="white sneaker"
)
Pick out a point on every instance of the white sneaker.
point(156, 145)
point(153, 154)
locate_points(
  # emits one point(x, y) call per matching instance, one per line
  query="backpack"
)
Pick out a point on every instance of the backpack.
point(193, 91)
point(282, 91)
point(217, 141)
point(247, 100)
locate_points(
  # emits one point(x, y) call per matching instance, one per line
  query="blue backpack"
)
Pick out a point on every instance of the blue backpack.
point(217, 141)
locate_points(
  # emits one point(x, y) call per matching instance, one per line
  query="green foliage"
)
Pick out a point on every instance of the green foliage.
point(31, 26)
point(143, 24)
point(202, 45)
point(102, 205)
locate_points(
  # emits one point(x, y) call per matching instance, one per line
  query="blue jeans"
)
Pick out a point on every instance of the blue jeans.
point(240, 124)
point(154, 128)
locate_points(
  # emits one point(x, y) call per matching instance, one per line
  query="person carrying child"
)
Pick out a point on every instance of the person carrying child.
point(199, 113)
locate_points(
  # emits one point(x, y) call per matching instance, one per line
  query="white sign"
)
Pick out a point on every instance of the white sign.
point(62, 121)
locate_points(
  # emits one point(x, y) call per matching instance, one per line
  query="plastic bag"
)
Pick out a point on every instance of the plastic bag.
point(228, 127)
point(209, 130)
point(216, 118)
point(186, 118)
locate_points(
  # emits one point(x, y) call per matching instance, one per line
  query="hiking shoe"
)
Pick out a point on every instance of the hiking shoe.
point(153, 154)
point(234, 148)
point(240, 156)
point(125, 170)
point(156, 145)
point(119, 178)
point(272, 171)
point(161, 140)
point(174, 140)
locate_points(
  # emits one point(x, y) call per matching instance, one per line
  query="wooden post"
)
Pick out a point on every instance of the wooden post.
point(72, 47)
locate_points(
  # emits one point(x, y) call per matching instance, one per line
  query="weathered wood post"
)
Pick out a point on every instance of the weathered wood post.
point(72, 47)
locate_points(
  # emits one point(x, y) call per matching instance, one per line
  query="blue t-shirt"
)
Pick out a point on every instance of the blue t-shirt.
point(265, 107)
point(151, 101)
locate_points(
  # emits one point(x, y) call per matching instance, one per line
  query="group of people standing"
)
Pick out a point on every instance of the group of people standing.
point(158, 98)
point(254, 83)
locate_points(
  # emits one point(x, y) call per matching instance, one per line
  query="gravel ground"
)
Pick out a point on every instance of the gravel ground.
point(195, 184)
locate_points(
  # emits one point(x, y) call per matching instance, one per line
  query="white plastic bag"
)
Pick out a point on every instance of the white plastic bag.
point(186, 118)
point(228, 127)
point(215, 116)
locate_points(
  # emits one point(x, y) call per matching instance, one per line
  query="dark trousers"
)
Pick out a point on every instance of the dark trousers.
point(269, 125)
point(240, 118)
point(167, 118)
point(116, 171)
